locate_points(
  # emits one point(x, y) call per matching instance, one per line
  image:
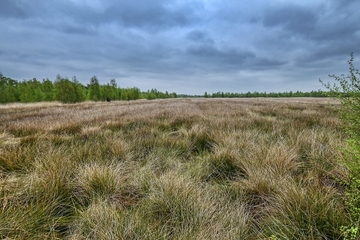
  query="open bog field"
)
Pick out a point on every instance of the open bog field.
point(172, 169)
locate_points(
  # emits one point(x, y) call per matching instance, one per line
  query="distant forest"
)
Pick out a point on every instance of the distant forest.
point(318, 93)
point(71, 91)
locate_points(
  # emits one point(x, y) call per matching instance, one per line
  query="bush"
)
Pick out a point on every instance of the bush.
point(348, 91)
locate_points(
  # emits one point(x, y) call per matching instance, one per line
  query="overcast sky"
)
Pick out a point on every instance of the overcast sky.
point(183, 46)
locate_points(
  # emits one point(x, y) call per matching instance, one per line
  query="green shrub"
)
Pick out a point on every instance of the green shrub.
point(348, 91)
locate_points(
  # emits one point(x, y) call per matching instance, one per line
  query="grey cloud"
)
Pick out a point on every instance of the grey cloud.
point(292, 18)
point(266, 63)
point(322, 33)
point(76, 29)
point(149, 16)
point(155, 15)
point(12, 9)
point(232, 58)
point(331, 22)
point(236, 12)
point(133, 14)
point(225, 58)
point(325, 54)
point(199, 36)
point(339, 24)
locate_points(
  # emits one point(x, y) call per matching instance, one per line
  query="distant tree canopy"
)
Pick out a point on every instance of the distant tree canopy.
point(318, 93)
point(70, 91)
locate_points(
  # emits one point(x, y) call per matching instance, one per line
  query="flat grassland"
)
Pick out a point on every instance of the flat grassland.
point(172, 169)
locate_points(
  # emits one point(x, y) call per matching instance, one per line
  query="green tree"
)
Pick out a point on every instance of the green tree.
point(8, 90)
point(124, 94)
point(129, 94)
point(79, 89)
point(64, 90)
point(30, 91)
point(151, 95)
point(136, 92)
point(109, 91)
point(113, 83)
point(94, 89)
point(47, 88)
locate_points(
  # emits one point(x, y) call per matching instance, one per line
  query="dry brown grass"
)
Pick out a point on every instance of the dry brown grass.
point(172, 169)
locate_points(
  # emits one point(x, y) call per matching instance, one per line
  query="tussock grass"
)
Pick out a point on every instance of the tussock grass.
point(172, 169)
point(293, 214)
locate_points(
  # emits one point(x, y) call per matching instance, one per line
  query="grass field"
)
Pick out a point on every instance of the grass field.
point(172, 169)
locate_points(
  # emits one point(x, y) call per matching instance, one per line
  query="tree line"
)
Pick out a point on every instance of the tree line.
point(71, 90)
point(68, 90)
point(318, 93)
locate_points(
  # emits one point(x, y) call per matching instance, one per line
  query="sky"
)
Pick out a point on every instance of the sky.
point(182, 46)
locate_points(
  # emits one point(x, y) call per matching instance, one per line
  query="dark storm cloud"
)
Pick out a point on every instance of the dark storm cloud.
point(210, 44)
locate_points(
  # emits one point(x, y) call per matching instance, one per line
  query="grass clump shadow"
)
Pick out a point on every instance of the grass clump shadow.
point(224, 165)
point(202, 140)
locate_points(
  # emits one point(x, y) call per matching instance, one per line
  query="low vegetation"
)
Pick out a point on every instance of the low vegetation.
point(173, 169)
point(347, 89)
